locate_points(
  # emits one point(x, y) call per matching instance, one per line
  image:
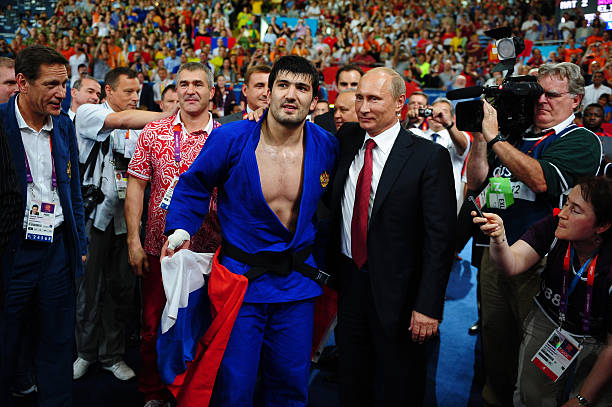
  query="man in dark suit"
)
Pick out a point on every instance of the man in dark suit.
point(146, 96)
point(393, 206)
point(347, 78)
point(43, 263)
point(255, 90)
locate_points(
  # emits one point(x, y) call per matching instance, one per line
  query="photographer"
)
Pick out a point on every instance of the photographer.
point(530, 176)
point(442, 130)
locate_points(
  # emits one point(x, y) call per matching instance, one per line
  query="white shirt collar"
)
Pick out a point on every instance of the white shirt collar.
point(207, 129)
point(385, 140)
point(249, 110)
point(48, 126)
point(559, 127)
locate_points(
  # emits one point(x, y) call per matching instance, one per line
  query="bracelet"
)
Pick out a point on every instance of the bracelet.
point(582, 401)
point(450, 126)
point(497, 138)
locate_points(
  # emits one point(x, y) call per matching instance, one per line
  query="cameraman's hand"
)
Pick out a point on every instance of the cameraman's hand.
point(413, 112)
point(490, 128)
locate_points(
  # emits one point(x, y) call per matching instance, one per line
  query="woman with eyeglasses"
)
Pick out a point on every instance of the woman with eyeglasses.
point(572, 315)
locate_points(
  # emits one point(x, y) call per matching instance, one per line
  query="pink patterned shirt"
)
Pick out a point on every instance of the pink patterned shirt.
point(154, 161)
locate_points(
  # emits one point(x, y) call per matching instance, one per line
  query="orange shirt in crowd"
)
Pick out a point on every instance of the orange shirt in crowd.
point(67, 53)
point(569, 52)
point(593, 38)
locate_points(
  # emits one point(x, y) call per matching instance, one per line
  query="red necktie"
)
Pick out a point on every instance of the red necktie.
point(359, 223)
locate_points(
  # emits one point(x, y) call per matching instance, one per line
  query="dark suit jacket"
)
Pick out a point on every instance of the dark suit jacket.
point(147, 98)
point(411, 232)
point(234, 117)
point(11, 201)
point(66, 160)
point(326, 120)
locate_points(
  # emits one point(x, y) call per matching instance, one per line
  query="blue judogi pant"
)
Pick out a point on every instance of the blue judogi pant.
point(40, 272)
point(280, 336)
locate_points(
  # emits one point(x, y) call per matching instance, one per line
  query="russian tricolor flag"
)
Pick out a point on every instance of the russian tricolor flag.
point(196, 324)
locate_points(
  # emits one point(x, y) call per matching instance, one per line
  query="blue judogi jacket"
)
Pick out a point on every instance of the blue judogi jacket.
point(227, 161)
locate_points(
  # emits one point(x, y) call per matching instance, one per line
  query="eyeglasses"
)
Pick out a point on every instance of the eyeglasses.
point(554, 95)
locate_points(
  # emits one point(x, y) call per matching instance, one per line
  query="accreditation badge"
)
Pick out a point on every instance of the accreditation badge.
point(41, 221)
point(121, 180)
point(165, 203)
point(499, 193)
point(556, 354)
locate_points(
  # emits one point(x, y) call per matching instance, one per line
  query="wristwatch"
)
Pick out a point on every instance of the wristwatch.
point(497, 138)
point(582, 401)
point(450, 126)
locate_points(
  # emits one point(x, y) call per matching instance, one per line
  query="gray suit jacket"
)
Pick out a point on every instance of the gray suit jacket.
point(234, 117)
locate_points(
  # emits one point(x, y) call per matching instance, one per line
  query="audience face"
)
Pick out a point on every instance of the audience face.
point(170, 101)
point(88, 93)
point(256, 91)
point(598, 78)
point(376, 107)
point(320, 108)
point(193, 92)
point(348, 80)
point(592, 118)
point(44, 95)
point(8, 84)
point(125, 96)
point(344, 110)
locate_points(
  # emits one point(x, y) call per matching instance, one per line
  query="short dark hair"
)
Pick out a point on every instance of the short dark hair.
point(298, 66)
point(598, 192)
point(30, 59)
point(168, 88)
point(255, 69)
point(112, 77)
point(595, 105)
point(348, 68)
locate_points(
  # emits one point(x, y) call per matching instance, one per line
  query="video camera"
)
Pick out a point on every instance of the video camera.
point(514, 99)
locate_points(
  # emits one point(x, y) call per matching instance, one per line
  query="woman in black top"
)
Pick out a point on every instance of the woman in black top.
point(575, 294)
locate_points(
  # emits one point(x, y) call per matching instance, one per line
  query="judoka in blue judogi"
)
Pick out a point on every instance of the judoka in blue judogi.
point(275, 323)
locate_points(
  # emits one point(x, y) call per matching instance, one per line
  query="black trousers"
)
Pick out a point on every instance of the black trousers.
point(374, 368)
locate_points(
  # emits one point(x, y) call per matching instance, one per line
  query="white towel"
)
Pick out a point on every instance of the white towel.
point(182, 274)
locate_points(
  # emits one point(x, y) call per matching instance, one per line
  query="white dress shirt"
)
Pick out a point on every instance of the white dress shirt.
point(380, 153)
point(90, 128)
point(38, 150)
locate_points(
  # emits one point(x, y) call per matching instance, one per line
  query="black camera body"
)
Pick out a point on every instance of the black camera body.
point(514, 100)
point(425, 111)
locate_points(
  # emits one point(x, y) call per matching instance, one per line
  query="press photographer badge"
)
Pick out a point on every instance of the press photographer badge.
point(41, 221)
point(557, 354)
point(165, 203)
point(121, 180)
point(499, 193)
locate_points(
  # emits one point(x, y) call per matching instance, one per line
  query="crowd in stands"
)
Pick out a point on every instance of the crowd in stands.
point(440, 45)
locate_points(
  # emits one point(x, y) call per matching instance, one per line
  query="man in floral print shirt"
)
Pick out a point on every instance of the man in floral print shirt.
point(166, 149)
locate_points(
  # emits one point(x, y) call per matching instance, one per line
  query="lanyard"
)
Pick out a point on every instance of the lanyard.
point(29, 177)
point(544, 137)
point(567, 262)
point(177, 144)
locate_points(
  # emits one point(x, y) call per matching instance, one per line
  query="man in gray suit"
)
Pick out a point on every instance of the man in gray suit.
point(255, 90)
